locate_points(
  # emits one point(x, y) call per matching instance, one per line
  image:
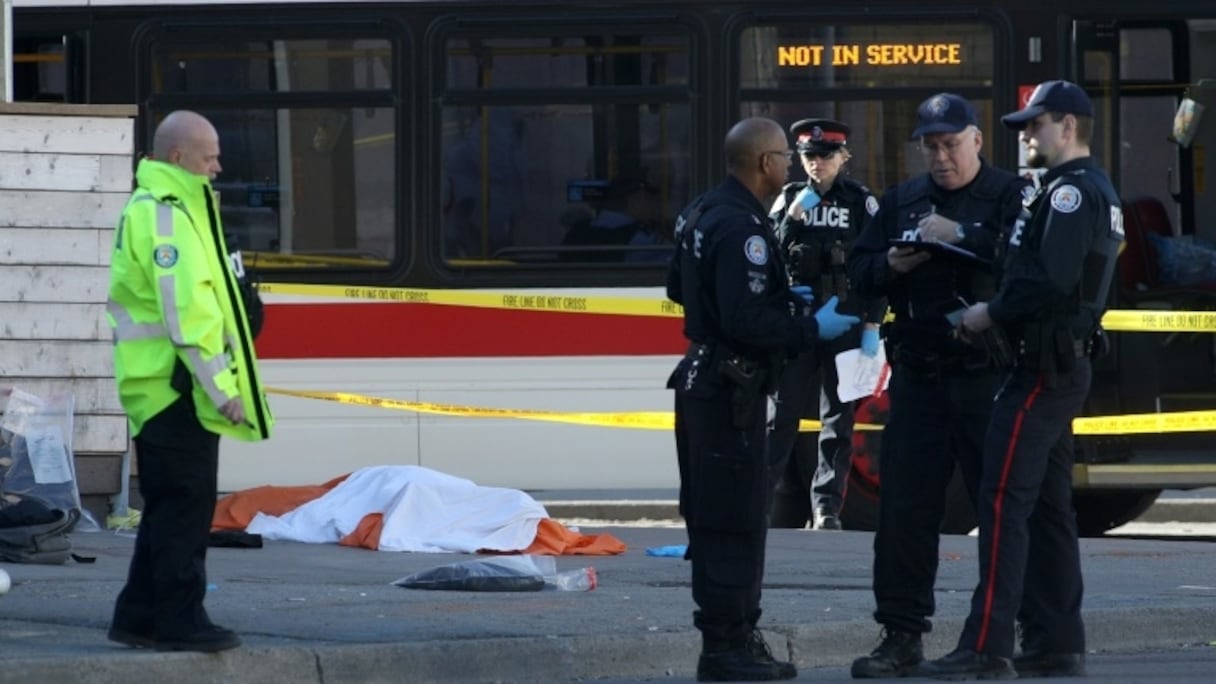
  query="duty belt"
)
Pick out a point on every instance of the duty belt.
point(1080, 348)
point(931, 365)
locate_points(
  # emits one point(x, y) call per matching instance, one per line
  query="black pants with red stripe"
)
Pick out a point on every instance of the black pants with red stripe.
point(1030, 567)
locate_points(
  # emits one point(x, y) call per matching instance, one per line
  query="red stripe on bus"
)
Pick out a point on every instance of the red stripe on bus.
point(394, 330)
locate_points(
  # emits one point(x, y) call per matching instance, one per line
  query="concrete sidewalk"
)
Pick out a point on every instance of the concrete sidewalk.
point(321, 613)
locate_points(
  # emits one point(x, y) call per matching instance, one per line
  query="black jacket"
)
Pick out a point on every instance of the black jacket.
point(1062, 250)
point(729, 276)
point(987, 207)
point(843, 212)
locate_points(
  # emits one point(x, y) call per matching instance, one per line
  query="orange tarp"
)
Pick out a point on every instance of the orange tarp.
point(235, 511)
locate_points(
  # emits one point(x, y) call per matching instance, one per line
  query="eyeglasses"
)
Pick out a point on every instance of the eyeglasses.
point(950, 147)
point(788, 154)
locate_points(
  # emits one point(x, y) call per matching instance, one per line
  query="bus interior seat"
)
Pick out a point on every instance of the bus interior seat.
point(1138, 264)
point(1139, 268)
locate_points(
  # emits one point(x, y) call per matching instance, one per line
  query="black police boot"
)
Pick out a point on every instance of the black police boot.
point(1041, 664)
point(209, 639)
point(967, 664)
point(899, 655)
point(751, 661)
point(135, 638)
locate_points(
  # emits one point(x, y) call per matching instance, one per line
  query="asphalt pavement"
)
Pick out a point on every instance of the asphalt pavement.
point(324, 613)
point(1196, 505)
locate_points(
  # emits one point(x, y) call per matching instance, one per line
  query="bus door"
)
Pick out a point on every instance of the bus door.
point(1138, 74)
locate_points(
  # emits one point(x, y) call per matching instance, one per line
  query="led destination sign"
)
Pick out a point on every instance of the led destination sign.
point(878, 54)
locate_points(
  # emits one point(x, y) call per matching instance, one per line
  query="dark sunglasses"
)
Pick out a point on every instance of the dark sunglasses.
point(810, 154)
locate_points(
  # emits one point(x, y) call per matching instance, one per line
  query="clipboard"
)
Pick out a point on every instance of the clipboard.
point(943, 249)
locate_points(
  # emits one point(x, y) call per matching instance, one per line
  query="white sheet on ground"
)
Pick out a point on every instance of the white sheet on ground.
point(424, 510)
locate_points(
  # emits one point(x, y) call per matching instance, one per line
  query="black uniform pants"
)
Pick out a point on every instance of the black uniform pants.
point(167, 582)
point(725, 490)
point(1030, 564)
point(812, 466)
point(936, 421)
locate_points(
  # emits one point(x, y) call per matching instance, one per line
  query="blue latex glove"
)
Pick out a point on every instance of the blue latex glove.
point(808, 198)
point(832, 324)
point(804, 292)
point(672, 551)
point(869, 342)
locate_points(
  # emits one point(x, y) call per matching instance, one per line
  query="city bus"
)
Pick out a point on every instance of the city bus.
point(540, 150)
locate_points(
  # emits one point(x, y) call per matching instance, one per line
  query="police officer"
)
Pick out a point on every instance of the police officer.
point(1061, 261)
point(941, 388)
point(817, 222)
point(742, 320)
point(186, 373)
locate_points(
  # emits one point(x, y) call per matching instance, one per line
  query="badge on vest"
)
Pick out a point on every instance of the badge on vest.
point(756, 250)
point(165, 256)
point(1066, 199)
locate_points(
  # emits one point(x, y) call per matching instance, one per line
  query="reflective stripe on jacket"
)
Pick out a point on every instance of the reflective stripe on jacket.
point(173, 295)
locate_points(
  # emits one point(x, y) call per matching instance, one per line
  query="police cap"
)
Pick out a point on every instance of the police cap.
point(1062, 97)
point(944, 113)
point(819, 136)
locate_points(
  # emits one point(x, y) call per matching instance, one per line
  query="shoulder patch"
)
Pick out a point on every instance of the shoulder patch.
point(165, 255)
point(1066, 199)
point(1028, 193)
point(756, 250)
point(871, 205)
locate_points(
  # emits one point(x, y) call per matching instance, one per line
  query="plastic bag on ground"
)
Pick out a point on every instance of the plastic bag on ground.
point(501, 573)
point(36, 454)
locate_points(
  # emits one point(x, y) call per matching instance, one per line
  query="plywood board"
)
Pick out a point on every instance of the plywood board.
point(54, 284)
point(71, 135)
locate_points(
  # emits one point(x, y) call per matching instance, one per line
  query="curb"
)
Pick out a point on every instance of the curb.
point(1180, 510)
point(561, 658)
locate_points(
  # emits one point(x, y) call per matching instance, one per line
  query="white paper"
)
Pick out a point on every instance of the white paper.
point(861, 376)
point(48, 455)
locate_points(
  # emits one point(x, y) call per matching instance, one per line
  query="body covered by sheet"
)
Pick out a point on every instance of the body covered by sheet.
point(423, 509)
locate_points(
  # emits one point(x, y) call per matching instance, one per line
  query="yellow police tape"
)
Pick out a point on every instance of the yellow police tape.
point(640, 420)
point(1137, 320)
point(1144, 423)
point(1144, 320)
point(522, 300)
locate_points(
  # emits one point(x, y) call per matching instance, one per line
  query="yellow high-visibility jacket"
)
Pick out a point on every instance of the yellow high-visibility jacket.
point(173, 295)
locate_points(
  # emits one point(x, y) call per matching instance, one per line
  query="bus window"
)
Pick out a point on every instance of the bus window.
point(1136, 73)
point(1147, 101)
point(40, 71)
point(533, 193)
point(870, 76)
point(567, 171)
point(271, 66)
point(307, 182)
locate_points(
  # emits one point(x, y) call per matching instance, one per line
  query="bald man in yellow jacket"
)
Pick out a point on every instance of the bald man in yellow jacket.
point(186, 372)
